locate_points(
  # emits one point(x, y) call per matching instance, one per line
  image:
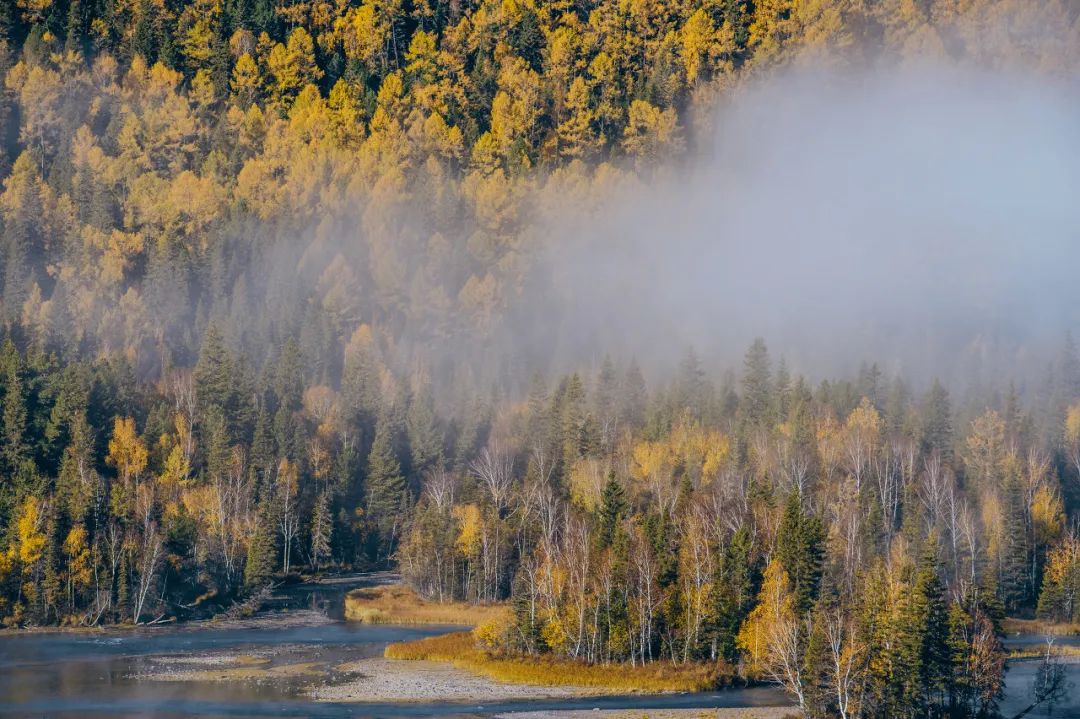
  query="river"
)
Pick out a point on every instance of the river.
point(104, 673)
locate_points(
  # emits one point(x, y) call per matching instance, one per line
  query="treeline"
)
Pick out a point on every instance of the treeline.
point(295, 169)
point(857, 542)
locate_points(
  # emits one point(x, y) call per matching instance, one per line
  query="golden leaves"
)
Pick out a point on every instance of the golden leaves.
point(127, 453)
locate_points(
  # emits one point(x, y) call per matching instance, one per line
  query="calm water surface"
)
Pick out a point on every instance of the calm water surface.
point(98, 674)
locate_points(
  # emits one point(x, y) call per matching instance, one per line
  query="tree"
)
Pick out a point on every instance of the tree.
point(733, 587)
point(23, 213)
point(79, 566)
point(385, 490)
point(937, 420)
point(127, 454)
point(800, 551)
point(15, 448)
point(286, 487)
point(756, 400)
point(774, 636)
point(613, 508)
point(1059, 600)
point(977, 656)
point(1072, 436)
point(321, 526)
point(931, 613)
point(425, 437)
point(292, 66)
point(651, 133)
point(261, 549)
point(1015, 552)
point(31, 540)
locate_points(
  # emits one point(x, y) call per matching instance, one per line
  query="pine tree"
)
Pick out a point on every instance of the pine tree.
point(756, 402)
point(15, 448)
point(1015, 557)
point(800, 549)
point(262, 547)
point(385, 490)
point(633, 398)
point(691, 391)
point(937, 420)
point(933, 614)
point(605, 397)
point(613, 508)
point(424, 435)
point(783, 392)
point(734, 589)
point(213, 370)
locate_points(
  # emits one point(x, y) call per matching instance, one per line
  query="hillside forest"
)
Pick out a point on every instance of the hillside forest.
point(261, 267)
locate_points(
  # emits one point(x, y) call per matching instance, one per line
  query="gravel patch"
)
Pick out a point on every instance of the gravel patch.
point(386, 680)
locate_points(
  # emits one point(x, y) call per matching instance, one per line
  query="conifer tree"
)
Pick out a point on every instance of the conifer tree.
point(613, 509)
point(933, 615)
point(756, 402)
point(937, 420)
point(800, 550)
point(385, 490)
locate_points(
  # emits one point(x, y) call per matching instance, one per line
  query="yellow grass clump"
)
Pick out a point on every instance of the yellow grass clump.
point(397, 604)
point(1037, 651)
point(1039, 627)
point(461, 649)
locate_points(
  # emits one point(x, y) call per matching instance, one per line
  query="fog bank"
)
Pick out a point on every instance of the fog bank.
point(927, 219)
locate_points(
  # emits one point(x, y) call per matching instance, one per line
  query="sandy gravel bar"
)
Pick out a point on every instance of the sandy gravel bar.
point(738, 713)
point(382, 680)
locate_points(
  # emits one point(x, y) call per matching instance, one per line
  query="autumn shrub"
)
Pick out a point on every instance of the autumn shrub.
point(465, 651)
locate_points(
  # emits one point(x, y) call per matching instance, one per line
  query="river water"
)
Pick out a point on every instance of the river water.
point(102, 674)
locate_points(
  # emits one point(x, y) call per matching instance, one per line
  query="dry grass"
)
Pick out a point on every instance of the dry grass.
point(1040, 627)
point(1037, 651)
point(397, 604)
point(460, 649)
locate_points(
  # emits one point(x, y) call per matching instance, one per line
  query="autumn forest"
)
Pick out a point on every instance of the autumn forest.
point(262, 268)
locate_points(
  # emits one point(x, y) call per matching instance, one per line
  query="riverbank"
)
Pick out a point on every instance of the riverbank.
point(387, 680)
point(460, 650)
point(285, 607)
point(397, 604)
point(1012, 626)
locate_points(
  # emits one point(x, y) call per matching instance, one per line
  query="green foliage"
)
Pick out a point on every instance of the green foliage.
point(800, 548)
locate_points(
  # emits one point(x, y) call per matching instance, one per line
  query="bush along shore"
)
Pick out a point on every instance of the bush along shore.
point(469, 651)
point(476, 650)
point(397, 604)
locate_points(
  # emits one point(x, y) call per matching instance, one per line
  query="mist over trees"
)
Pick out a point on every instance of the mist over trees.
point(274, 285)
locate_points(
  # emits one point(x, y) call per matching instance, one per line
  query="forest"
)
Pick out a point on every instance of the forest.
point(262, 265)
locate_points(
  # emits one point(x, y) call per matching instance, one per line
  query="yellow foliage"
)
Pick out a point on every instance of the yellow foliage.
point(79, 567)
point(587, 478)
point(460, 649)
point(651, 133)
point(30, 532)
point(1047, 515)
point(775, 606)
point(1072, 427)
point(127, 453)
point(470, 529)
point(397, 604)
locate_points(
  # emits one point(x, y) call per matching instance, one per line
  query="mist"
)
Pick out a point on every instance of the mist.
point(926, 219)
